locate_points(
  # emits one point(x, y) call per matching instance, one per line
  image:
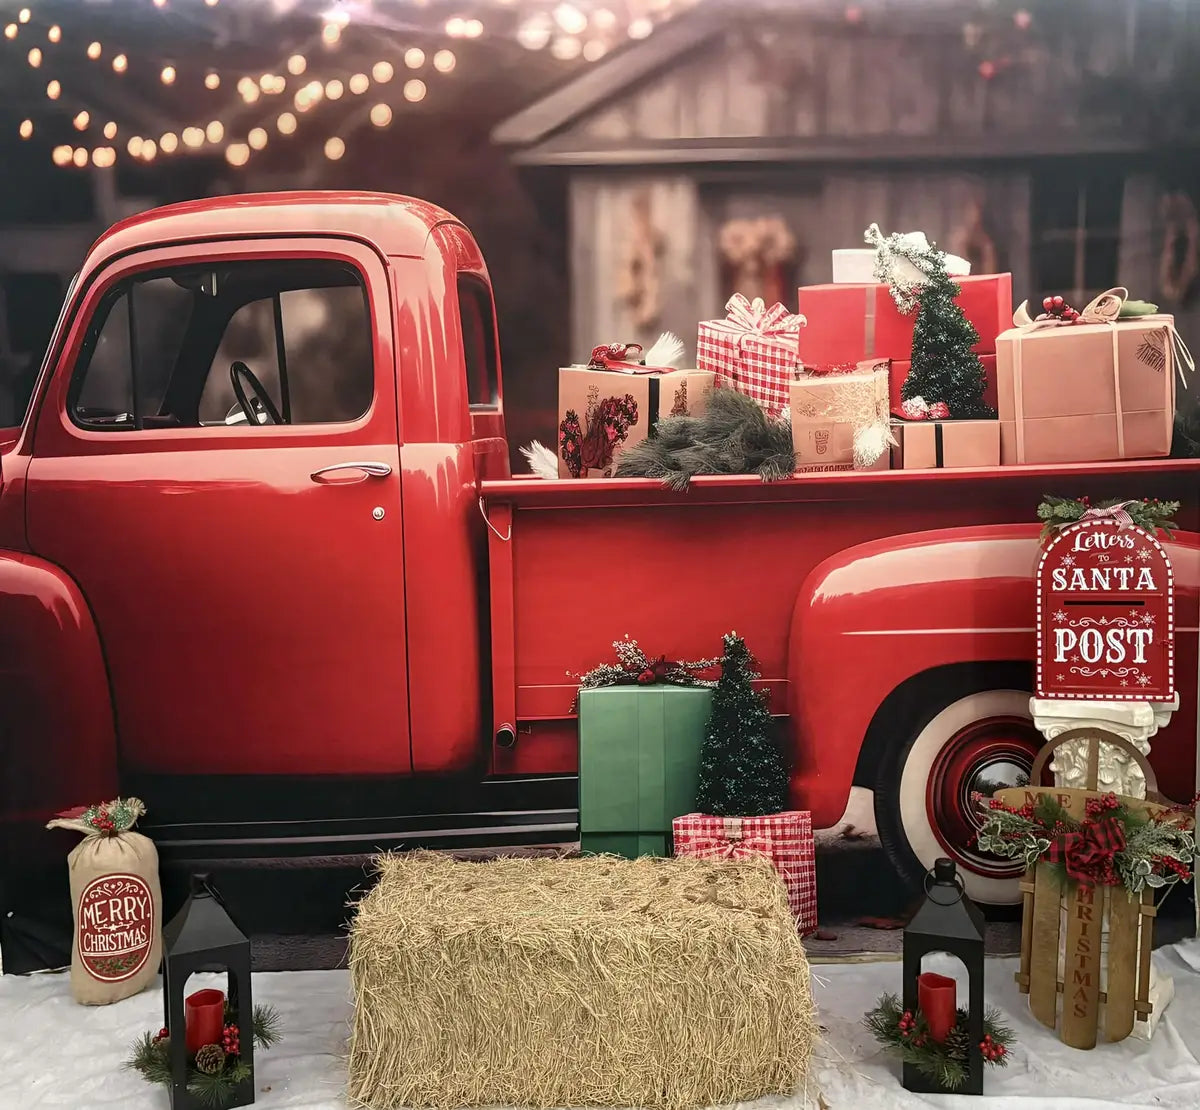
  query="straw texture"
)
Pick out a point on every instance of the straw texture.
point(657, 983)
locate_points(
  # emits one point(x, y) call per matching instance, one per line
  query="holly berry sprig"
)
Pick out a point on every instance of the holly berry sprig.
point(993, 1051)
point(1058, 309)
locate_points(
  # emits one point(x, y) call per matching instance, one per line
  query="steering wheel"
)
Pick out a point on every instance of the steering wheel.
point(239, 371)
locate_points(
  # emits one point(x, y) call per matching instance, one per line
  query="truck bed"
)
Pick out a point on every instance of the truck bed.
point(577, 564)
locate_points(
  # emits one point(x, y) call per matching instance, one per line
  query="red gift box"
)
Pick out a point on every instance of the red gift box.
point(852, 323)
point(786, 839)
point(899, 371)
point(753, 350)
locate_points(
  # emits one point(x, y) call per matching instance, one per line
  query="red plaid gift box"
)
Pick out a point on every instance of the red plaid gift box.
point(786, 839)
point(755, 350)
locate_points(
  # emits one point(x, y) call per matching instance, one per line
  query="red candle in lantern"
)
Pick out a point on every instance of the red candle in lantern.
point(937, 999)
point(205, 1014)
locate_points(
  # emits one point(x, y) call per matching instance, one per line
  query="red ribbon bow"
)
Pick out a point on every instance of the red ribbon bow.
point(1088, 853)
point(730, 848)
point(917, 408)
point(617, 356)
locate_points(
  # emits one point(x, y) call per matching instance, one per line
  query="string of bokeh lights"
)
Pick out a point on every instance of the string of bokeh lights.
point(566, 30)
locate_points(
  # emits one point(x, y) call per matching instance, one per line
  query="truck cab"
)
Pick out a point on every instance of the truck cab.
point(246, 487)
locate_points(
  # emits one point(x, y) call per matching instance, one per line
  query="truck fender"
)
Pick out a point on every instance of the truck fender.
point(874, 615)
point(58, 743)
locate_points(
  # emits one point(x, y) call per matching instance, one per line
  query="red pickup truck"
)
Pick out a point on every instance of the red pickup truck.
point(263, 563)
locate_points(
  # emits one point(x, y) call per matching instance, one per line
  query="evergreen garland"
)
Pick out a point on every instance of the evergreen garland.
point(213, 1083)
point(907, 1034)
point(742, 769)
point(734, 435)
point(635, 668)
point(1150, 515)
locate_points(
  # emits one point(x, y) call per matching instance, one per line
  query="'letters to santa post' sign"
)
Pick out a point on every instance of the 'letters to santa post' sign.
point(1105, 615)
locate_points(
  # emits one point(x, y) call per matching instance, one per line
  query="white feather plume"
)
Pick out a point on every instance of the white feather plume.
point(542, 461)
point(668, 350)
point(870, 443)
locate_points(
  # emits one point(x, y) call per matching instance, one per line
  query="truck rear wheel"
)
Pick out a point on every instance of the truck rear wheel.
point(981, 740)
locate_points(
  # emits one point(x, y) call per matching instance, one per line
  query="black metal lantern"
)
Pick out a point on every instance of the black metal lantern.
point(203, 937)
point(947, 921)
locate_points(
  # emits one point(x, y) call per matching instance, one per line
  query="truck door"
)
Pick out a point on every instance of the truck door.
point(216, 465)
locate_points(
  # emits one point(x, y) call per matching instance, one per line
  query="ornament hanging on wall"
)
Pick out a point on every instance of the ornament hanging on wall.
point(640, 282)
point(757, 256)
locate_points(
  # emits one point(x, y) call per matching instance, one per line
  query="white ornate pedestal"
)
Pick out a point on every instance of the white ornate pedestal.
point(1137, 722)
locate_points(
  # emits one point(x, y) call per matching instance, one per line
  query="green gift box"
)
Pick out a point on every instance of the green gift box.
point(639, 760)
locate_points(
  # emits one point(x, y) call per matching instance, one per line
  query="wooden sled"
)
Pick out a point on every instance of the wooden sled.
point(1130, 918)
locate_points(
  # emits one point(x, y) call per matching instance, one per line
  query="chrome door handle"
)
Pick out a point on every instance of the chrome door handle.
point(371, 469)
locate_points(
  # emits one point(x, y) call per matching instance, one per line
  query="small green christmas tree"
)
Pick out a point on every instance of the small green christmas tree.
point(944, 367)
point(742, 770)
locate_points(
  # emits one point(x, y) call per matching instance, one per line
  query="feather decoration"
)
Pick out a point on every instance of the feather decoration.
point(871, 444)
point(668, 350)
point(542, 461)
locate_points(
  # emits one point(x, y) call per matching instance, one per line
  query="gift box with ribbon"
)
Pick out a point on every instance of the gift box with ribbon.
point(927, 439)
point(1089, 386)
point(639, 760)
point(786, 839)
point(614, 401)
point(839, 417)
point(851, 323)
point(753, 350)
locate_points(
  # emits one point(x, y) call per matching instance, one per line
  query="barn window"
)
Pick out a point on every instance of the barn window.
point(1076, 217)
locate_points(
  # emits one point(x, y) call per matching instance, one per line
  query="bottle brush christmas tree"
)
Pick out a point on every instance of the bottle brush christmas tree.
point(944, 367)
point(742, 770)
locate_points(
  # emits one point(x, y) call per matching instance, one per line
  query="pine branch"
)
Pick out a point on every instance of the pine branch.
point(268, 1029)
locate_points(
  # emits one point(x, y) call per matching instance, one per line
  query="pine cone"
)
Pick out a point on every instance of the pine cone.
point(957, 1043)
point(210, 1059)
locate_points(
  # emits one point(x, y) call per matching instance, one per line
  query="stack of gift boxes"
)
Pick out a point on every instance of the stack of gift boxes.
point(1064, 387)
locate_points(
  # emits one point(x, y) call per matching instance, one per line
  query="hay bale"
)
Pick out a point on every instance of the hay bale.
point(658, 983)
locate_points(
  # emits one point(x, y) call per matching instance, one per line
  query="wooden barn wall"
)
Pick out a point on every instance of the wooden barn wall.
point(895, 80)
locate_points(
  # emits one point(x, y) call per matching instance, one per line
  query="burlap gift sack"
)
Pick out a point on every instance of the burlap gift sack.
point(117, 903)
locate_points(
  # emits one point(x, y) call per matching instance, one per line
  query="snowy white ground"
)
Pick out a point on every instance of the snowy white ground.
point(56, 1054)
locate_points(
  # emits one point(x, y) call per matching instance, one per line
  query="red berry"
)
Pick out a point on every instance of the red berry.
point(1048, 303)
point(1058, 302)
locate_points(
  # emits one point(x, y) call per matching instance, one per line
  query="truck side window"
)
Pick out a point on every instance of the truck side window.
point(303, 330)
point(479, 342)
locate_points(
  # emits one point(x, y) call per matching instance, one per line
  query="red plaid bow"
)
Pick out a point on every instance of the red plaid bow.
point(732, 848)
point(1088, 853)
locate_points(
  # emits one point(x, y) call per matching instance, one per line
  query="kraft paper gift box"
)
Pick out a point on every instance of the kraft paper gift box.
point(1087, 392)
point(602, 412)
point(639, 764)
point(851, 323)
point(830, 407)
point(900, 369)
point(753, 350)
point(945, 444)
point(786, 839)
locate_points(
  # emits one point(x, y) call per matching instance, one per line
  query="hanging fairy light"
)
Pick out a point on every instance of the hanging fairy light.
point(237, 154)
point(444, 61)
point(94, 50)
point(55, 33)
point(359, 83)
point(334, 90)
point(24, 15)
point(11, 31)
point(134, 146)
point(641, 28)
point(212, 80)
point(257, 138)
point(80, 156)
point(570, 19)
point(169, 143)
point(61, 156)
point(594, 50)
point(603, 19)
point(286, 124)
point(297, 64)
point(331, 34)
point(104, 157)
point(414, 58)
point(456, 28)
point(381, 115)
point(215, 131)
point(566, 48)
point(535, 34)
point(26, 129)
point(81, 121)
point(34, 57)
point(149, 150)
point(120, 63)
point(383, 72)
point(167, 77)
point(414, 90)
point(54, 90)
point(334, 148)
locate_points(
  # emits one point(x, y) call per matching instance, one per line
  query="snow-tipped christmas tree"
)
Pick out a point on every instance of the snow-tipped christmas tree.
point(742, 770)
point(944, 367)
